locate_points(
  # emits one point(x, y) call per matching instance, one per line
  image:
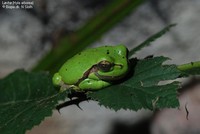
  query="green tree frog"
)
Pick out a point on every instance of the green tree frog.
point(93, 68)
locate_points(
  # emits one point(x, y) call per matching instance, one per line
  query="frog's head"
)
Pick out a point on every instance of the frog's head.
point(114, 66)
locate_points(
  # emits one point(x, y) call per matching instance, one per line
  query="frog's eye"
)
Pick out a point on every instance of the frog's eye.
point(105, 66)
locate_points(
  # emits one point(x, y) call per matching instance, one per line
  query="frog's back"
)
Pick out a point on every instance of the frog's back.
point(74, 68)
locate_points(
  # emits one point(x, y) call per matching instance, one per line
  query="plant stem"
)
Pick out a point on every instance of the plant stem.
point(190, 68)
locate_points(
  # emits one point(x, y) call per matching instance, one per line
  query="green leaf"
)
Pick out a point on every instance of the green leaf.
point(142, 90)
point(25, 100)
point(151, 39)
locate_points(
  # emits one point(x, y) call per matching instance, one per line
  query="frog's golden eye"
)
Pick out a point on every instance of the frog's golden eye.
point(105, 66)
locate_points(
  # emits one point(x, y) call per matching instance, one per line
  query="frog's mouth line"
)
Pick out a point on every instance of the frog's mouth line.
point(94, 69)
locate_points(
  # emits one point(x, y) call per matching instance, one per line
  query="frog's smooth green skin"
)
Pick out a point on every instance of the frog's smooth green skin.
point(93, 68)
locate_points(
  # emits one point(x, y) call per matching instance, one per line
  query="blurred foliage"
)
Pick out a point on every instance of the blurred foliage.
point(73, 43)
point(148, 41)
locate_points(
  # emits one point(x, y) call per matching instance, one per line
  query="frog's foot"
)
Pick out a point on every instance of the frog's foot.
point(64, 87)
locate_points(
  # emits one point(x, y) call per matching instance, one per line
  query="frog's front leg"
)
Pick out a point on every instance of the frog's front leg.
point(93, 84)
point(64, 87)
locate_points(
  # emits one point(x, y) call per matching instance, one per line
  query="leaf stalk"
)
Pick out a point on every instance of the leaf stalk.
point(191, 68)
